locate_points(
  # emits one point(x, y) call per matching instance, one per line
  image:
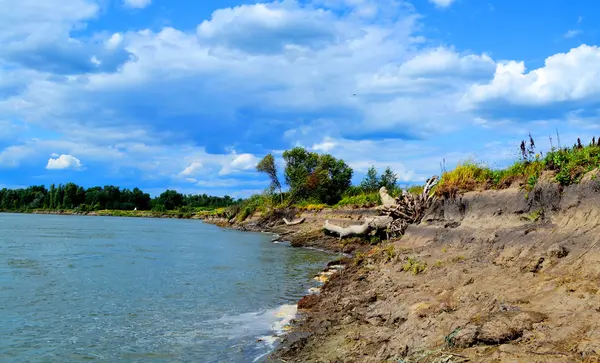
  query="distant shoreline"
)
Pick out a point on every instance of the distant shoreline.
point(116, 213)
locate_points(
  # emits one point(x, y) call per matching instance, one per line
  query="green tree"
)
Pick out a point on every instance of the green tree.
point(388, 179)
point(311, 175)
point(300, 166)
point(371, 181)
point(52, 194)
point(334, 177)
point(169, 200)
point(267, 166)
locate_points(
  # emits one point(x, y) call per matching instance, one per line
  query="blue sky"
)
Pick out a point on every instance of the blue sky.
point(189, 95)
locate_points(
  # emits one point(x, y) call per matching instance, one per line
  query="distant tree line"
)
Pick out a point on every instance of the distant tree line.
point(72, 196)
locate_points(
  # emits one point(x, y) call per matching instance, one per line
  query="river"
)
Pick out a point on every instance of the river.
point(80, 288)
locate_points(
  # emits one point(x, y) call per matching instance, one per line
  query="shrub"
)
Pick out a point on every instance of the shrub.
point(467, 176)
point(414, 265)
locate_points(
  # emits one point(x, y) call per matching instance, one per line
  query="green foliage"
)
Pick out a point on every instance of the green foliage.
point(251, 205)
point(371, 181)
point(73, 197)
point(569, 164)
point(414, 265)
point(375, 240)
point(361, 200)
point(311, 175)
point(267, 166)
point(388, 179)
point(465, 177)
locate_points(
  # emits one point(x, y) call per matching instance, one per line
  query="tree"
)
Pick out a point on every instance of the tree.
point(388, 179)
point(335, 176)
point(311, 175)
point(371, 182)
point(169, 200)
point(267, 166)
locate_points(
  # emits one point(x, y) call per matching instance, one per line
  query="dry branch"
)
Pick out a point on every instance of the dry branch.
point(397, 213)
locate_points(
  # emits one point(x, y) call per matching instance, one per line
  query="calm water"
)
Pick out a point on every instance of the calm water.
point(143, 290)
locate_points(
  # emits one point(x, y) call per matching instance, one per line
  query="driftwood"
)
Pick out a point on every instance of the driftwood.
point(397, 213)
point(373, 223)
point(294, 222)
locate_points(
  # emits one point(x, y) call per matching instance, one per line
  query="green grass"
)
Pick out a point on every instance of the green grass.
point(361, 200)
point(569, 165)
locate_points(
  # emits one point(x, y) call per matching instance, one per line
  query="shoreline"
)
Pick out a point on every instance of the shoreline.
point(495, 275)
point(299, 237)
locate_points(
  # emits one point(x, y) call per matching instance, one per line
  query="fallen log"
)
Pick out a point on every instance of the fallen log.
point(294, 222)
point(370, 224)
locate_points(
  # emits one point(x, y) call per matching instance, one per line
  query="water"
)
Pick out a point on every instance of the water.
point(75, 288)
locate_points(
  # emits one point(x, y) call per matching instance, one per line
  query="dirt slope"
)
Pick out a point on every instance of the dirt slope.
point(510, 276)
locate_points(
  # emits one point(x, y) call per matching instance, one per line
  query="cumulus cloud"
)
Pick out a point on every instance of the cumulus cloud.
point(269, 27)
point(64, 162)
point(443, 61)
point(137, 4)
point(239, 162)
point(442, 3)
point(150, 104)
point(37, 35)
point(565, 77)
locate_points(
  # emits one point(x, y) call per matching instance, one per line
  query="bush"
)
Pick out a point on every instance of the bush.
point(466, 177)
point(414, 265)
point(361, 200)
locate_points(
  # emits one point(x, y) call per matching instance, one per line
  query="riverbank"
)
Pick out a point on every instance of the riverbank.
point(489, 276)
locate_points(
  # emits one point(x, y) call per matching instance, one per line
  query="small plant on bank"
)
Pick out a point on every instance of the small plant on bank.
point(414, 265)
point(375, 240)
point(390, 252)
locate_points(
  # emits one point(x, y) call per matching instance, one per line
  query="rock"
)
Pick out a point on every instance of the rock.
point(464, 337)
point(308, 302)
point(507, 326)
point(558, 251)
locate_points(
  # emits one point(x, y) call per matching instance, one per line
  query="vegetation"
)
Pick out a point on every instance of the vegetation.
point(414, 265)
point(372, 182)
point(316, 176)
point(267, 166)
point(568, 165)
point(361, 200)
point(74, 197)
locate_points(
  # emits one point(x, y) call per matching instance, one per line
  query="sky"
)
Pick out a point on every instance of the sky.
point(189, 95)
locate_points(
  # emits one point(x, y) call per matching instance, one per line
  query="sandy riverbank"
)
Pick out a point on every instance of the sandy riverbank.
point(492, 276)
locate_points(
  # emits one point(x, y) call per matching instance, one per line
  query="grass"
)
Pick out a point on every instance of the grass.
point(414, 265)
point(361, 200)
point(568, 164)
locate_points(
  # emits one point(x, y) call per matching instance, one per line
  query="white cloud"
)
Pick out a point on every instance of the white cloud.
point(443, 61)
point(192, 169)
point(114, 41)
point(239, 162)
point(326, 146)
point(64, 162)
point(571, 76)
point(37, 35)
point(137, 4)
point(442, 3)
point(572, 33)
point(12, 156)
point(270, 27)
